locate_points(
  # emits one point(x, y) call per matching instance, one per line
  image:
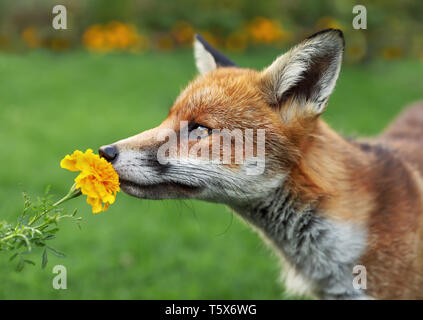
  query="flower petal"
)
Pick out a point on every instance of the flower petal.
point(97, 180)
point(95, 204)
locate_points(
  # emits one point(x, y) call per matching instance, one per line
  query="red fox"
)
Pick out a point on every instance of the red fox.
point(326, 204)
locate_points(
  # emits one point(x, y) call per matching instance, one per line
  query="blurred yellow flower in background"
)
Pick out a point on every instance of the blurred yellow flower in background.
point(59, 44)
point(114, 36)
point(355, 53)
point(211, 38)
point(97, 180)
point(237, 41)
point(328, 22)
point(392, 53)
point(263, 30)
point(30, 37)
point(165, 42)
point(183, 32)
point(4, 41)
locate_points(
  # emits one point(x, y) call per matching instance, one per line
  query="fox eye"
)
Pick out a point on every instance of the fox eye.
point(199, 132)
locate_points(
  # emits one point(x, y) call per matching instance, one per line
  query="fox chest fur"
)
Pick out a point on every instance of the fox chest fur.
point(320, 252)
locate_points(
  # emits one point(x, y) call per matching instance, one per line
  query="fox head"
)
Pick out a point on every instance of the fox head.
point(262, 117)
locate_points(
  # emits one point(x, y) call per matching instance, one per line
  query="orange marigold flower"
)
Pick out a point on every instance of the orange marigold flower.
point(97, 180)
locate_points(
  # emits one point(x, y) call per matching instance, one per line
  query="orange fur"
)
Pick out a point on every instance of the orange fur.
point(377, 184)
point(380, 189)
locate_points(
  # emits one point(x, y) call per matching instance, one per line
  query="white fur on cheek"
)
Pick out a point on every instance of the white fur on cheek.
point(219, 182)
point(222, 184)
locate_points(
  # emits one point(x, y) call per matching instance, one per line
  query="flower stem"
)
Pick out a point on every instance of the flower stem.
point(73, 193)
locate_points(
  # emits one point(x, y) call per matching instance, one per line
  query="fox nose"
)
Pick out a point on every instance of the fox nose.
point(108, 152)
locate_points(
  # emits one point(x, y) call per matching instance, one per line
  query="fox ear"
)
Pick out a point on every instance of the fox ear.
point(307, 73)
point(208, 58)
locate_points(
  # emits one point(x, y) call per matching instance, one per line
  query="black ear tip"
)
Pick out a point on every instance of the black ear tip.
point(220, 59)
point(339, 33)
point(199, 38)
point(336, 32)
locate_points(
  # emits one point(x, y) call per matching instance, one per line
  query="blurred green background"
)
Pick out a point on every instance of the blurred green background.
point(115, 73)
point(394, 28)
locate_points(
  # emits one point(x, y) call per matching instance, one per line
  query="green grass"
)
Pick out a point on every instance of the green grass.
point(52, 104)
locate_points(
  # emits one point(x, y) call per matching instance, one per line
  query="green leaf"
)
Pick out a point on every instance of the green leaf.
point(40, 244)
point(23, 220)
point(54, 230)
point(36, 224)
point(29, 262)
point(47, 190)
point(13, 256)
point(25, 238)
point(20, 265)
point(44, 261)
point(21, 244)
point(56, 252)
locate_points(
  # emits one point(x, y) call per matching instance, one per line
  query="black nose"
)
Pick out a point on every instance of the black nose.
point(108, 152)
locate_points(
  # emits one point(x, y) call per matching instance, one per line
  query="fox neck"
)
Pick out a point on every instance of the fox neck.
point(293, 219)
